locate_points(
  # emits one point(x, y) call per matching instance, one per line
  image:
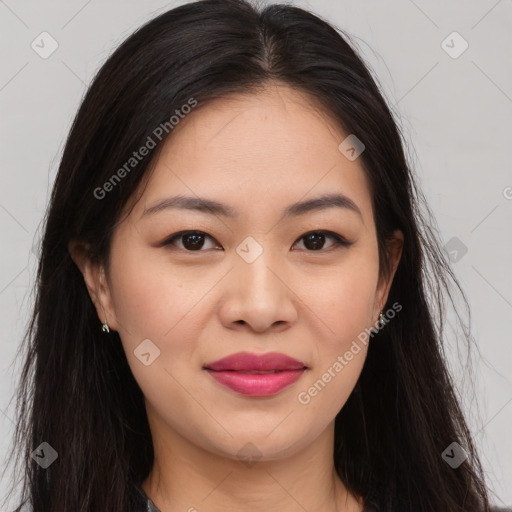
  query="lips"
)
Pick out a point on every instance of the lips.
point(256, 375)
point(247, 362)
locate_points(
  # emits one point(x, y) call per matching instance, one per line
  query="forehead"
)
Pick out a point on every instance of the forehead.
point(257, 151)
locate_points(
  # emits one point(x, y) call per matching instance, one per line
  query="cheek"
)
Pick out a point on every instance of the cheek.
point(328, 388)
point(343, 303)
point(155, 302)
point(152, 304)
point(342, 298)
point(140, 297)
point(148, 298)
point(341, 351)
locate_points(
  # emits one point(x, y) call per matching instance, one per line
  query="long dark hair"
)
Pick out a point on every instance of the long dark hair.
point(76, 390)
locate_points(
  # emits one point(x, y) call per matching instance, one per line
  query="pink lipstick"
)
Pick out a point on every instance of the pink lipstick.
point(256, 375)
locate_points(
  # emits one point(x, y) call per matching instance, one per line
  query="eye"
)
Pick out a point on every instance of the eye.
point(195, 240)
point(191, 240)
point(314, 240)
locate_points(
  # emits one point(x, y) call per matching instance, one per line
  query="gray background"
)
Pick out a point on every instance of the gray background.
point(454, 112)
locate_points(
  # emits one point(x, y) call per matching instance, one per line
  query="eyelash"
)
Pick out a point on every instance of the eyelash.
point(339, 241)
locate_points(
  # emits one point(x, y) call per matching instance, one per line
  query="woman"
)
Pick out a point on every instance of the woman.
point(237, 292)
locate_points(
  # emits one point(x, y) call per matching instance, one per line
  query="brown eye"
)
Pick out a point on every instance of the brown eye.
point(190, 240)
point(315, 240)
point(194, 241)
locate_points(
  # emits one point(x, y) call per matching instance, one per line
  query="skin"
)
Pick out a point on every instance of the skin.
point(257, 153)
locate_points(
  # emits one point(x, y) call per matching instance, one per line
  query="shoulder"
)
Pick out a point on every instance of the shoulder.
point(140, 500)
point(27, 506)
point(372, 507)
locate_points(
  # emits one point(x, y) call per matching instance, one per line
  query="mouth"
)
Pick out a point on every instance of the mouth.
point(256, 375)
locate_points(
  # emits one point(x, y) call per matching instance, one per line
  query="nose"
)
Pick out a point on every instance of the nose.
point(257, 297)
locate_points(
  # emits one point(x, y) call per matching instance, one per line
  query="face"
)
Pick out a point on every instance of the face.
point(256, 276)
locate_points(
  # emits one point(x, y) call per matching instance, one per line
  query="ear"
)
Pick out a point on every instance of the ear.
point(96, 282)
point(394, 252)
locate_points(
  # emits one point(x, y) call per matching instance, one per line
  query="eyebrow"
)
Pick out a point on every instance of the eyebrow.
point(213, 207)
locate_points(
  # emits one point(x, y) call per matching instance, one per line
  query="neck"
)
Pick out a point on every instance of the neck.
point(187, 477)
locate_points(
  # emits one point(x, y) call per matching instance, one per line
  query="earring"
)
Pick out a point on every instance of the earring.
point(105, 327)
point(382, 319)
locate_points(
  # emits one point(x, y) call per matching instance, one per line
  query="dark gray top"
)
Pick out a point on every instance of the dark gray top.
point(151, 507)
point(146, 501)
point(146, 505)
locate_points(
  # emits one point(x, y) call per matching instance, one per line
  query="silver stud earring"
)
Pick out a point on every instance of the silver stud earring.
point(105, 327)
